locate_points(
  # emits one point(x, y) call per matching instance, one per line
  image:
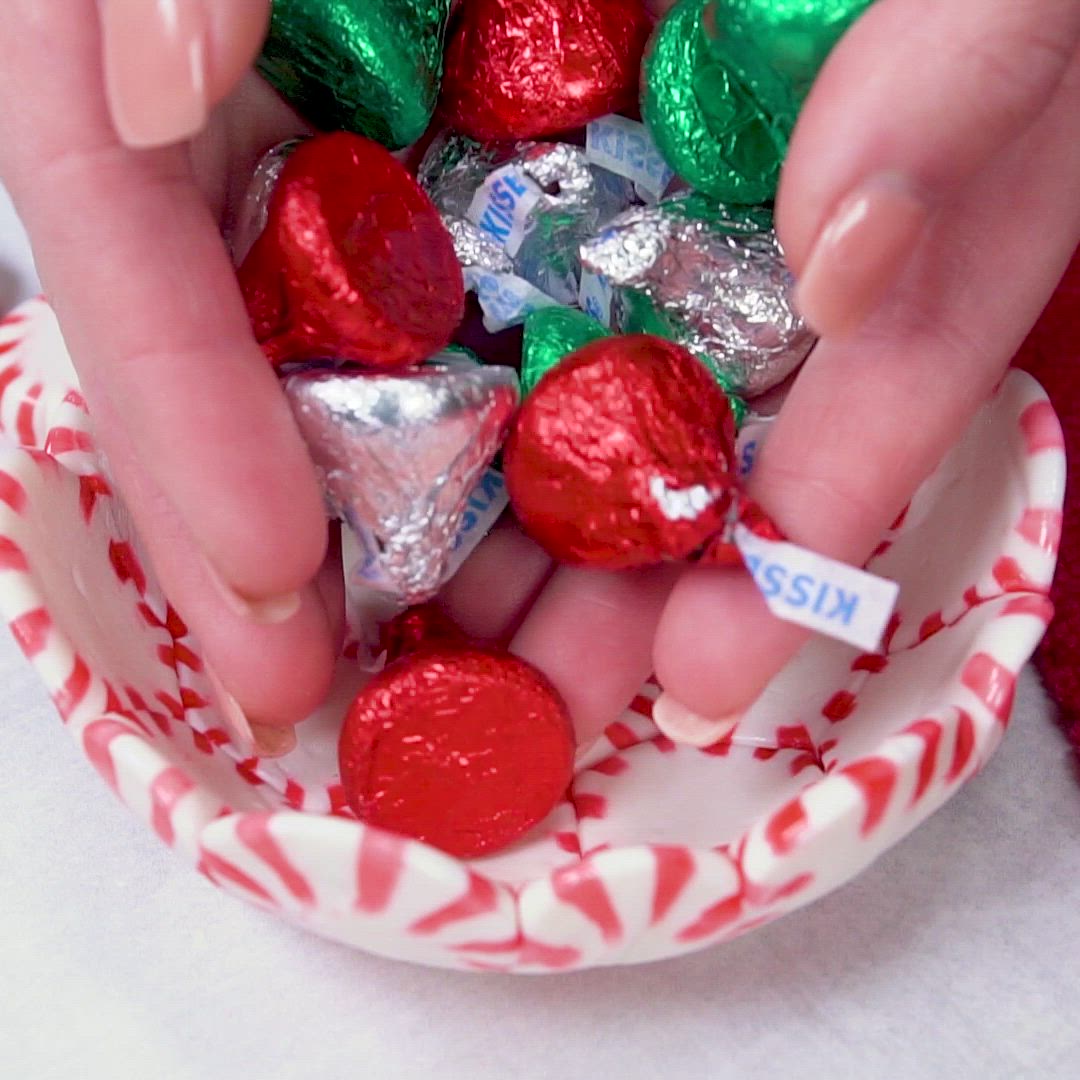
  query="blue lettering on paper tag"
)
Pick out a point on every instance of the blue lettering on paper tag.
point(625, 147)
point(821, 594)
point(505, 299)
point(485, 506)
point(503, 207)
point(596, 296)
point(752, 436)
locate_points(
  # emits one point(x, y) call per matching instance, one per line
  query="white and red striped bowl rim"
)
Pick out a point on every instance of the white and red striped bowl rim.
point(658, 850)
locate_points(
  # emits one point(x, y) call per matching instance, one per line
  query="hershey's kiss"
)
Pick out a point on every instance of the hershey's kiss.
point(372, 67)
point(398, 457)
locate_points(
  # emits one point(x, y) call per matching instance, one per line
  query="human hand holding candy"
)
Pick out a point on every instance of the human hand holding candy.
point(901, 217)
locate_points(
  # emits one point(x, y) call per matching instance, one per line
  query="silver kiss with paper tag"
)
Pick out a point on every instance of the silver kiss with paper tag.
point(398, 457)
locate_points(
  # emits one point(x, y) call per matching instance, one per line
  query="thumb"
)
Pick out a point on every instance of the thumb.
point(913, 102)
point(168, 62)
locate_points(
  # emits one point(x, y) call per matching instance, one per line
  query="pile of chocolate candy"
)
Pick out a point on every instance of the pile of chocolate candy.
point(589, 224)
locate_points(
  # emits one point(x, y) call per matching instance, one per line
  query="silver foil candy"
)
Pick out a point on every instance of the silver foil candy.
point(474, 248)
point(574, 198)
point(398, 457)
point(254, 211)
point(712, 279)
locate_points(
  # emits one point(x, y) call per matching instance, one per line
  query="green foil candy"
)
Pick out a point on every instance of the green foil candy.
point(552, 334)
point(369, 66)
point(724, 82)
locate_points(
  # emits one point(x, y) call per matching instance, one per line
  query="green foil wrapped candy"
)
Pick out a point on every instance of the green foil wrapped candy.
point(550, 335)
point(724, 82)
point(369, 66)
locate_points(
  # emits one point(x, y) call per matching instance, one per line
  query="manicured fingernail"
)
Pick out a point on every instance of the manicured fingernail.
point(860, 254)
point(155, 69)
point(681, 725)
point(232, 716)
point(272, 742)
point(267, 610)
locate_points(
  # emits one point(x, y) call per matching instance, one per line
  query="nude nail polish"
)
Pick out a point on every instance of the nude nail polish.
point(860, 253)
point(683, 726)
point(273, 742)
point(155, 69)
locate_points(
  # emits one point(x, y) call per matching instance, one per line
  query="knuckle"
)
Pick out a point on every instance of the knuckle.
point(1013, 74)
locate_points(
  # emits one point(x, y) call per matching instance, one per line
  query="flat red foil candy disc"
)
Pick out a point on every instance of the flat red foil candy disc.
point(463, 748)
point(623, 455)
point(355, 263)
point(520, 69)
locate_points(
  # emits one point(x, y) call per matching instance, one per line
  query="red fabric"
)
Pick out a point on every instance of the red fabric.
point(1052, 354)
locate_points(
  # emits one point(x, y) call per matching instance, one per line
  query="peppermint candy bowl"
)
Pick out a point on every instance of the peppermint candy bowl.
point(657, 850)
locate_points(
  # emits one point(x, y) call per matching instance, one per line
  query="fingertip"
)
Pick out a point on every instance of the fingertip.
point(717, 646)
point(237, 33)
point(277, 675)
point(591, 633)
point(167, 64)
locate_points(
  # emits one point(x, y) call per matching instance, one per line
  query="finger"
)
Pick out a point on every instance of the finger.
point(150, 307)
point(494, 590)
point(869, 418)
point(591, 633)
point(167, 63)
point(265, 676)
point(914, 101)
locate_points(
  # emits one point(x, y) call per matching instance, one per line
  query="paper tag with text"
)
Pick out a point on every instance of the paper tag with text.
point(505, 299)
point(751, 439)
point(596, 296)
point(625, 147)
point(821, 594)
point(485, 506)
point(503, 205)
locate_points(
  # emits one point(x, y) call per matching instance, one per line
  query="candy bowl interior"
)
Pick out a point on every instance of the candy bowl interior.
point(657, 850)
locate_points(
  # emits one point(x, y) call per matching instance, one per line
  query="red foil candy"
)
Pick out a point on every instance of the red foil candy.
point(521, 69)
point(463, 748)
point(624, 456)
point(354, 264)
point(424, 624)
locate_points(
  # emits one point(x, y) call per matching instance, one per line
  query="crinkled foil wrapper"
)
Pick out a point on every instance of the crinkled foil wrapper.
point(579, 198)
point(398, 457)
point(475, 248)
point(254, 211)
point(373, 67)
point(713, 279)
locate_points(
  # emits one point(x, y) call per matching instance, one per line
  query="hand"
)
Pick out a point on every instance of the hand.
point(127, 241)
point(930, 202)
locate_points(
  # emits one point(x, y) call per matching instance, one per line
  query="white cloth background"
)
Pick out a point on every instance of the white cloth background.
point(957, 955)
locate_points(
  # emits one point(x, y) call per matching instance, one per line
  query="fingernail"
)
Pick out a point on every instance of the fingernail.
point(273, 742)
point(232, 716)
point(155, 69)
point(681, 725)
point(267, 611)
point(860, 254)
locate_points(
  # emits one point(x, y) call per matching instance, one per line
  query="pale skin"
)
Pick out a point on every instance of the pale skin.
point(930, 202)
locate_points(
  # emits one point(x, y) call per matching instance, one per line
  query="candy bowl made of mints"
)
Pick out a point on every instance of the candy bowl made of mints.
point(656, 850)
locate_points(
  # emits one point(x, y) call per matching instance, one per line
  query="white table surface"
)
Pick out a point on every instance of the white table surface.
point(957, 955)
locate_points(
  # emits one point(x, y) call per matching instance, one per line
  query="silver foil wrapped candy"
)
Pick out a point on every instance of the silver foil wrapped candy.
point(399, 457)
point(254, 211)
point(712, 278)
point(536, 202)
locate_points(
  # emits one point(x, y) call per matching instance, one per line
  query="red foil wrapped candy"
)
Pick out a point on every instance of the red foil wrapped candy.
point(624, 456)
point(354, 264)
point(463, 748)
point(520, 69)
